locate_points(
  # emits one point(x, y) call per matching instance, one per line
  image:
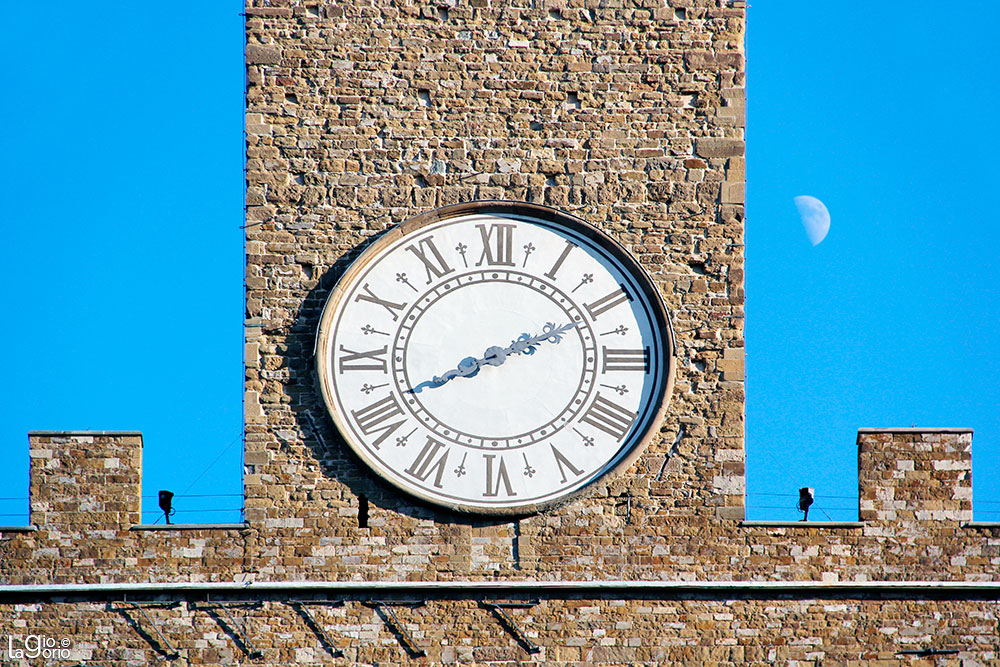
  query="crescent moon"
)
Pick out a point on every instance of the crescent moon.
point(815, 218)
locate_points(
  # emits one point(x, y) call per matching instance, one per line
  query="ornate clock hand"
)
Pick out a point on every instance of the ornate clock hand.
point(496, 356)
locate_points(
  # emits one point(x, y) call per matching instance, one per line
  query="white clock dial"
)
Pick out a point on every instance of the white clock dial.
point(495, 358)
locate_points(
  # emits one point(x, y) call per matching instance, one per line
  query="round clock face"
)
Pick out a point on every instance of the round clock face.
point(495, 358)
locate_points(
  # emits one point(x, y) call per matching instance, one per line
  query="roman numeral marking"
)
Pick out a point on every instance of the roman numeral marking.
point(428, 461)
point(501, 252)
point(616, 359)
point(561, 460)
point(388, 305)
point(551, 273)
point(372, 360)
point(606, 303)
point(608, 416)
point(493, 483)
point(435, 265)
point(378, 417)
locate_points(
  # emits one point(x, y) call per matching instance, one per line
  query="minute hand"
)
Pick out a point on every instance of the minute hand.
point(496, 356)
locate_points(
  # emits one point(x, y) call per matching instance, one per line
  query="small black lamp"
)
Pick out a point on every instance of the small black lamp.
point(166, 499)
point(805, 500)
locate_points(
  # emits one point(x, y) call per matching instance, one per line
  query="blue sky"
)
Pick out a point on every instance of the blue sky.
point(122, 258)
point(885, 115)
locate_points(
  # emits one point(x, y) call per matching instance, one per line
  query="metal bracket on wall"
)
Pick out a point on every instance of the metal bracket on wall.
point(164, 647)
point(404, 636)
point(324, 639)
point(626, 505)
point(508, 623)
point(237, 631)
point(315, 430)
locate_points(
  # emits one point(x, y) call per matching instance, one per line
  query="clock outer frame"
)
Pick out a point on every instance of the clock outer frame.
point(660, 316)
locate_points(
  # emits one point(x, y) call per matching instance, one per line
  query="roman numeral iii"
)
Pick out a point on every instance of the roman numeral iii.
point(616, 359)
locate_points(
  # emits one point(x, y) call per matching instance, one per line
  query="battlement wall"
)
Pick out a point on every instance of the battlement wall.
point(915, 494)
point(915, 475)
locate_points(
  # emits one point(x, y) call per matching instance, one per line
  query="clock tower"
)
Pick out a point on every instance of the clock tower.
point(494, 293)
point(424, 190)
point(494, 388)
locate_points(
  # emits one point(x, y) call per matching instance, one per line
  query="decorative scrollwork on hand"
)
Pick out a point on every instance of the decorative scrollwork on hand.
point(554, 334)
point(522, 345)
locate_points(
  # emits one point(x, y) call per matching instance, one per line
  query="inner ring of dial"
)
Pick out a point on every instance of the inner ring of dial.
point(451, 335)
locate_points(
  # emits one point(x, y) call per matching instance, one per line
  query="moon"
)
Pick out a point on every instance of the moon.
point(815, 218)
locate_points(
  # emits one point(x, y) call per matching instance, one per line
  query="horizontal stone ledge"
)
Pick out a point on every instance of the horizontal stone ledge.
point(917, 429)
point(48, 434)
point(191, 526)
point(990, 589)
point(850, 524)
point(802, 524)
point(18, 529)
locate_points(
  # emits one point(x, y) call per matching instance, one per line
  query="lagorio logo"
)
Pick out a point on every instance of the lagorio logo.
point(37, 646)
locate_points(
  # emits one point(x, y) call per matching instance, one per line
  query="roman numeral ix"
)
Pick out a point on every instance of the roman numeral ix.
point(372, 360)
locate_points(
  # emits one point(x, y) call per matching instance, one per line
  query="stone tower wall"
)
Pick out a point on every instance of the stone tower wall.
point(360, 115)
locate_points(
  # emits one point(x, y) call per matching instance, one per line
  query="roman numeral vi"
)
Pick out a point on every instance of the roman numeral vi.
point(493, 483)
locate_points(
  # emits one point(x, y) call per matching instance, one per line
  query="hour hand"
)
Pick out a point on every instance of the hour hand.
point(496, 356)
point(466, 368)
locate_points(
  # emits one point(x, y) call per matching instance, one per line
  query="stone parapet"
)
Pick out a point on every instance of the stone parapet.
point(909, 475)
point(85, 480)
point(915, 495)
